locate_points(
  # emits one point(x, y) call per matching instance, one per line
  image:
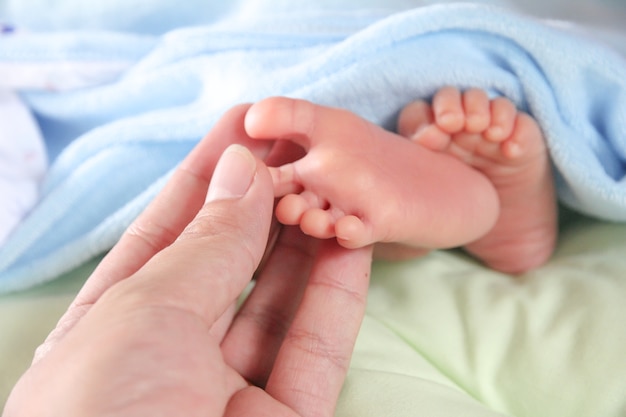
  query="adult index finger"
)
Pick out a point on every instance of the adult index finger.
point(313, 360)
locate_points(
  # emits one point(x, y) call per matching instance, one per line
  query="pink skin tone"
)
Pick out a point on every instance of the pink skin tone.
point(474, 174)
point(154, 331)
point(342, 188)
point(507, 146)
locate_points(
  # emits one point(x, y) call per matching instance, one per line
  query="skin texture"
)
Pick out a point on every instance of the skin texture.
point(154, 330)
point(361, 184)
point(508, 147)
point(474, 174)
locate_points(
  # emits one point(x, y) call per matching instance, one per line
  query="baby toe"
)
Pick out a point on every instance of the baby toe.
point(448, 110)
point(503, 115)
point(352, 233)
point(291, 208)
point(477, 111)
point(318, 223)
point(433, 138)
point(414, 117)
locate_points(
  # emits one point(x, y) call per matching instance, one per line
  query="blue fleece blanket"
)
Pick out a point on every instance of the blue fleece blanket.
point(114, 144)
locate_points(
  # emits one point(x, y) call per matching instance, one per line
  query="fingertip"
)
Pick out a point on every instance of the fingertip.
point(233, 175)
point(239, 175)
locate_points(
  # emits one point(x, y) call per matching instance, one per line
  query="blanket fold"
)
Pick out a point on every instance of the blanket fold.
point(115, 142)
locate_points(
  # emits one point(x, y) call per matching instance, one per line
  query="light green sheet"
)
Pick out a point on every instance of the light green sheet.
point(444, 336)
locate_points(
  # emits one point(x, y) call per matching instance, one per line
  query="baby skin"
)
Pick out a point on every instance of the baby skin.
point(474, 174)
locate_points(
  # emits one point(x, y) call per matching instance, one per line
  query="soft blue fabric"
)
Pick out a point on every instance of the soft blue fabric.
point(117, 142)
point(159, 16)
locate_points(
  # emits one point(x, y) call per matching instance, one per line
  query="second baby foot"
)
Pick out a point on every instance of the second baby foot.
point(362, 184)
point(508, 147)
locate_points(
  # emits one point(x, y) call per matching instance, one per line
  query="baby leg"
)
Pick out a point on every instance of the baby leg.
point(362, 184)
point(507, 146)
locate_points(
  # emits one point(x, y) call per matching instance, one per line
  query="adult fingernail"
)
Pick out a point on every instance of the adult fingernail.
point(233, 174)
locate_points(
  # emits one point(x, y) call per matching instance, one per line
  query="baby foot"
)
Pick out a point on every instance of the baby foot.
point(362, 184)
point(507, 146)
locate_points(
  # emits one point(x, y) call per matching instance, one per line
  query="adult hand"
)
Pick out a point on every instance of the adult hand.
point(154, 331)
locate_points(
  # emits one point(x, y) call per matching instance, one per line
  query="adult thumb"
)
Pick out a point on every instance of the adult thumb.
point(215, 257)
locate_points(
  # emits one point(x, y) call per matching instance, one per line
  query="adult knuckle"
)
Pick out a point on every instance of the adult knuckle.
point(223, 233)
point(153, 234)
point(325, 352)
point(339, 286)
point(211, 224)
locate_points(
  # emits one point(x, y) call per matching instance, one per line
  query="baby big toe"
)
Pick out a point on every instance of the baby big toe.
point(352, 233)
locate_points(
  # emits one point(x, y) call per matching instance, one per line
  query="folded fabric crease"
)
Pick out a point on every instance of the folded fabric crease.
point(113, 139)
